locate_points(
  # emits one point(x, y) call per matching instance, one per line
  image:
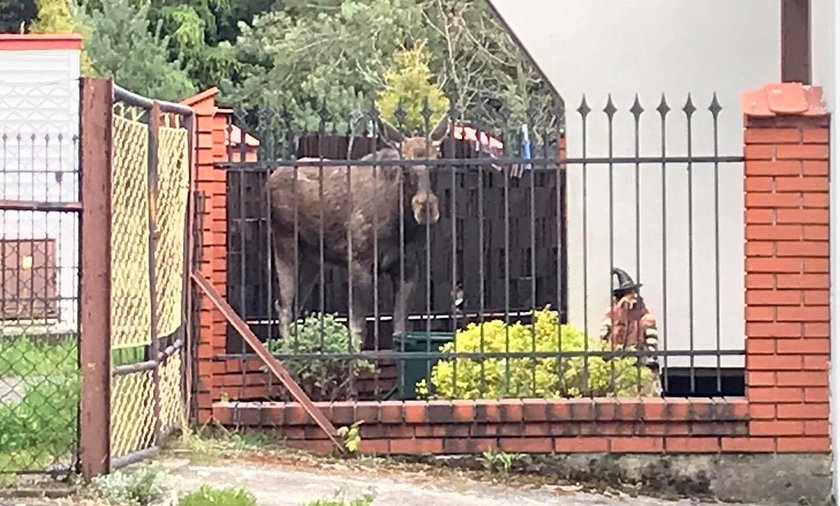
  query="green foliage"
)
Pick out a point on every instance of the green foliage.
point(340, 500)
point(23, 356)
point(41, 427)
point(139, 487)
point(482, 67)
point(16, 15)
point(124, 46)
point(322, 379)
point(57, 16)
point(211, 496)
point(54, 16)
point(409, 87)
point(337, 52)
point(332, 52)
point(551, 377)
point(500, 462)
point(193, 27)
point(352, 437)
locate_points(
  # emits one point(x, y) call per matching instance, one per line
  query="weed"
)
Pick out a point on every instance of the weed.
point(340, 500)
point(139, 487)
point(41, 427)
point(210, 443)
point(497, 461)
point(351, 436)
point(211, 496)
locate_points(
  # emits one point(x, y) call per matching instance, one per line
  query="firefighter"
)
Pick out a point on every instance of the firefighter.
point(630, 323)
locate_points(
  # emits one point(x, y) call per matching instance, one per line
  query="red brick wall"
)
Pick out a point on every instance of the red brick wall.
point(787, 331)
point(211, 125)
point(529, 426)
point(787, 267)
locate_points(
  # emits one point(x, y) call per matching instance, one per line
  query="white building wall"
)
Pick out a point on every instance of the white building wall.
point(39, 128)
point(650, 47)
point(825, 46)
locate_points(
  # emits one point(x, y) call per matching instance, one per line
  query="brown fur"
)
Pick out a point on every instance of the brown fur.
point(363, 210)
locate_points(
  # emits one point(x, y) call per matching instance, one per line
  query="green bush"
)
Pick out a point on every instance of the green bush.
point(23, 356)
point(551, 377)
point(139, 487)
point(210, 496)
point(322, 379)
point(42, 426)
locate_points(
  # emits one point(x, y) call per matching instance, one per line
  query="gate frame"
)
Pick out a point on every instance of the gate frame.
point(95, 157)
point(97, 98)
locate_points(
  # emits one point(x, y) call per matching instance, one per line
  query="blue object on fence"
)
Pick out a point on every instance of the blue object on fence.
point(525, 147)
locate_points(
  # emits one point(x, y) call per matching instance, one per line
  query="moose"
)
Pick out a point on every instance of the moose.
point(359, 217)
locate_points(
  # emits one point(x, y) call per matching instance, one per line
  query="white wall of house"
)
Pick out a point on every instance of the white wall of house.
point(39, 126)
point(825, 46)
point(650, 47)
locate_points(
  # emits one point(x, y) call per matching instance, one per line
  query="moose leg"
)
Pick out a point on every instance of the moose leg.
point(288, 288)
point(285, 271)
point(362, 280)
point(403, 289)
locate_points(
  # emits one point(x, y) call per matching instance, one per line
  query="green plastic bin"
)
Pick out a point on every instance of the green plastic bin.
point(412, 370)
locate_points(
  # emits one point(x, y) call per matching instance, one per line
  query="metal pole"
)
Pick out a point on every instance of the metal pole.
point(154, 352)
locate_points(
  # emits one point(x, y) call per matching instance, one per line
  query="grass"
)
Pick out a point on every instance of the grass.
point(39, 393)
point(365, 500)
point(212, 496)
point(41, 428)
point(22, 356)
point(209, 444)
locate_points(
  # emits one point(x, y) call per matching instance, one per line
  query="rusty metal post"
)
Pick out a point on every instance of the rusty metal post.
point(154, 233)
point(186, 308)
point(95, 151)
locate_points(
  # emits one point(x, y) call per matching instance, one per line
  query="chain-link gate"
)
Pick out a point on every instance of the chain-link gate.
point(150, 188)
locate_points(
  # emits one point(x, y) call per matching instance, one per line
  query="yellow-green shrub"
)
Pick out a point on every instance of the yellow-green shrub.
point(544, 377)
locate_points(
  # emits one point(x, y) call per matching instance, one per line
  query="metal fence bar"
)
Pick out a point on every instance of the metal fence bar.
point(131, 98)
point(154, 233)
point(506, 218)
point(94, 308)
point(372, 355)
point(477, 163)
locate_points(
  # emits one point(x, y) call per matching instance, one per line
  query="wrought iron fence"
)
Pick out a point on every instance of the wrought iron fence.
point(506, 239)
point(150, 189)
point(39, 269)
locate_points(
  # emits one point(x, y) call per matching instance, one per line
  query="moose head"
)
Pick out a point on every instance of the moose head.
point(424, 203)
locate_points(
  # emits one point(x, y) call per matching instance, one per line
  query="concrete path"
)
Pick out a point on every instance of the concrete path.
point(280, 485)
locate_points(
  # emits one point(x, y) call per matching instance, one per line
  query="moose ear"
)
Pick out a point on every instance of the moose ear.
point(440, 132)
point(390, 135)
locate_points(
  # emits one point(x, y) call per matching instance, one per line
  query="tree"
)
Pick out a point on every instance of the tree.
point(194, 35)
point(15, 15)
point(409, 88)
point(337, 52)
point(56, 16)
point(486, 73)
point(319, 52)
point(122, 47)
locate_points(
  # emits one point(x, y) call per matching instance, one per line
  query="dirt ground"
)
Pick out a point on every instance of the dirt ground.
point(297, 480)
point(282, 485)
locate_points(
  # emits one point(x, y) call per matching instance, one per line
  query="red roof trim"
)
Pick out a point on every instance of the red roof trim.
point(200, 96)
point(40, 41)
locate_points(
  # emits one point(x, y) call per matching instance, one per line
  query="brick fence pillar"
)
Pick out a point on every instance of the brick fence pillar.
point(787, 267)
point(211, 132)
